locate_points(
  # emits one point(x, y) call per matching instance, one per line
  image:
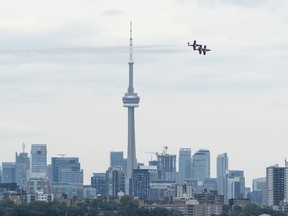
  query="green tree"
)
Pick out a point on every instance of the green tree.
point(75, 211)
point(128, 202)
point(129, 207)
point(7, 203)
point(159, 211)
point(92, 212)
point(174, 212)
point(225, 210)
point(3, 211)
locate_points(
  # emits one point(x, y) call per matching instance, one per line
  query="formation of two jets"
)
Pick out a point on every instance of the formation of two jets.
point(201, 49)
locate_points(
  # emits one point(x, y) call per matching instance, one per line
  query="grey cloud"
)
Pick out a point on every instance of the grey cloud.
point(246, 70)
point(279, 104)
point(248, 3)
point(270, 5)
point(112, 12)
point(72, 34)
point(12, 130)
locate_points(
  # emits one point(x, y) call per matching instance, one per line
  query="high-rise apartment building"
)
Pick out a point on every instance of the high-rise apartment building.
point(236, 184)
point(183, 191)
point(117, 159)
point(98, 181)
point(222, 175)
point(184, 164)
point(259, 191)
point(67, 177)
point(277, 184)
point(140, 183)
point(38, 184)
point(201, 164)
point(22, 169)
point(115, 181)
point(8, 172)
point(38, 159)
point(166, 166)
point(66, 170)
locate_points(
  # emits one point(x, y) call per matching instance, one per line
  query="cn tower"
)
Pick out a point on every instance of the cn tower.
point(130, 100)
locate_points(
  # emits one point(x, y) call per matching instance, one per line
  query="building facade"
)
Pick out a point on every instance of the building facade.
point(259, 191)
point(8, 172)
point(184, 164)
point(166, 166)
point(115, 180)
point(39, 159)
point(98, 181)
point(22, 169)
point(117, 159)
point(236, 184)
point(38, 185)
point(222, 175)
point(71, 191)
point(201, 164)
point(277, 184)
point(67, 170)
point(183, 191)
point(140, 183)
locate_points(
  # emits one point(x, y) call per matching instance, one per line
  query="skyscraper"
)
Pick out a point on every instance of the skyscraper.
point(277, 184)
point(98, 181)
point(140, 183)
point(39, 159)
point(236, 184)
point(130, 100)
point(201, 165)
point(8, 172)
point(22, 168)
point(222, 175)
point(166, 167)
point(184, 164)
point(66, 170)
point(67, 177)
point(259, 191)
point(116, 159)
point(115, 181)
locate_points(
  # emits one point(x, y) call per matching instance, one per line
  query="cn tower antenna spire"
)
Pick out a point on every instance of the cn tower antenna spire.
point(130, 101)
point(131, 44)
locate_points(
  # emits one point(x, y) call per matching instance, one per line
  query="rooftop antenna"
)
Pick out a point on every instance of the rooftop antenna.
point(131, 45)
point(130, 87)
point(23, 147)
point(62, 155)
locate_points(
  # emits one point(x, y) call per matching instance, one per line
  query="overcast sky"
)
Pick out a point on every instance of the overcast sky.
point(68, 93)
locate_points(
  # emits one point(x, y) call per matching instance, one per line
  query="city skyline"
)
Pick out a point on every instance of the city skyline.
point(232, 100)
point(117, 160)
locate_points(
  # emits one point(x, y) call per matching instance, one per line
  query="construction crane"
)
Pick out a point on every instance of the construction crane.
point(152, 153)
point(165, 150)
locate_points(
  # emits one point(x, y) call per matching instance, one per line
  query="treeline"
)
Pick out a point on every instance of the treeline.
point(126, 207)
point(250, 210)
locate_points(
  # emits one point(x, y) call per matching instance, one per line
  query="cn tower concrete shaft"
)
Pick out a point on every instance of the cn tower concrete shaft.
point(130, 100)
